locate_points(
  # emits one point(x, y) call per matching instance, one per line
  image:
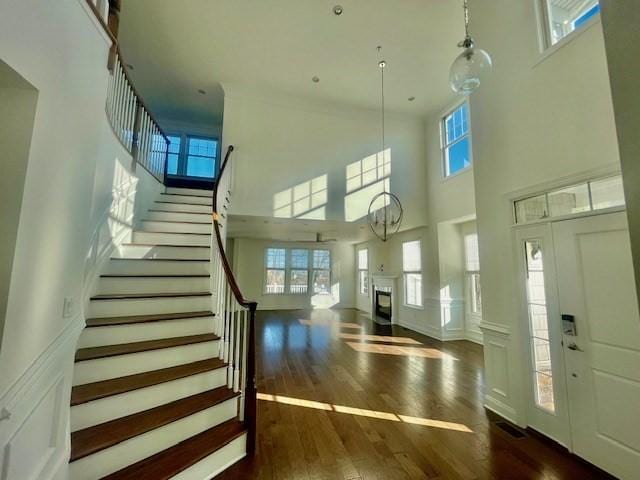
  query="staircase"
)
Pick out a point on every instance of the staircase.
point(158, 377)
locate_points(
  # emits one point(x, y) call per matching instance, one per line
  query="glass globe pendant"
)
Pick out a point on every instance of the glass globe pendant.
point(472, 66)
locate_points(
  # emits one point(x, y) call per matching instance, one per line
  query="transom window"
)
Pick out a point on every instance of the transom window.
point(412, 273)
point(297, 271)
point(456, 140)
point(191, 156)
point(562, 17)
point(363, 271)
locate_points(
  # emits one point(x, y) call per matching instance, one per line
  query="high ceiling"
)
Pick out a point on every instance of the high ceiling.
point(179, 47)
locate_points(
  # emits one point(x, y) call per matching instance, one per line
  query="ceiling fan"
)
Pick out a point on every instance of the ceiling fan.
point(319, 239)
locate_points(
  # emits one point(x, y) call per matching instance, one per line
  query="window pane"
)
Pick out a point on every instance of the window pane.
point(202, 146)
point(458, 156)
point(174, 144)
point(275, 281)
point(544, 391)
point(569, 200)
point(276, 257)
point(299, 259)
point(476, 295)
point(321, 281)
point(411, 259)
point(471, 253)
point(299, 281)
point(364, 282)
point(363, 259)
point(529, 209)
point(172, 164)
point(200, 166)
point(322, 259)
point(413, 289)
point(607, 193)
point(565, 17)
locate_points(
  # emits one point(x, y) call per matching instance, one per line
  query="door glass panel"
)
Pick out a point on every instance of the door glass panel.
point(539, 326)
point(569, 200)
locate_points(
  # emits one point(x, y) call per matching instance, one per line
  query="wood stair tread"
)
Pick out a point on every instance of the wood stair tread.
point(160, 259)
point(186, 195)
point(99, 437)
point(114, 386)
point(125, 296)
point(110, 321)
point(170, 462)
point(135, 275)
point(183, 203)
point(93, 353)
point(173, 233)
point(176, 211)
point(177, 221)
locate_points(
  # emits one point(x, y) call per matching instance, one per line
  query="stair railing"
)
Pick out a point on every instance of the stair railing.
point(132, 122)
point(235, 319)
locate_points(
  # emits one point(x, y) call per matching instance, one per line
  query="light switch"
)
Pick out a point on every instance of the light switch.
point(67, 308)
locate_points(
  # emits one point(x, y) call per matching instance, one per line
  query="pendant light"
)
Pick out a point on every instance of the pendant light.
point(472, 65)
point(385, 209)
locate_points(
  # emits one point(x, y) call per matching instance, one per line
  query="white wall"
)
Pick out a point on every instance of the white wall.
point(282, 142)
point(75, 167)
point(249, 270)
point(534, 121)
point(622, 38)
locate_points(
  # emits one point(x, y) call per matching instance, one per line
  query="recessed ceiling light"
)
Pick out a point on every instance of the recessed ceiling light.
point(411, 99)
point(201, 92)
point(338, 10)
point(315, 79)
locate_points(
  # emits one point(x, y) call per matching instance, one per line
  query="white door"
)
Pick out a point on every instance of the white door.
point(596, 287)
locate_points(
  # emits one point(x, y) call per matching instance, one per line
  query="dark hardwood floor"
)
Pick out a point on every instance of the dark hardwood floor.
point(342, 398)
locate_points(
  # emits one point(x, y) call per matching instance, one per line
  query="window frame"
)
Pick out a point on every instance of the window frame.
point(363, 287)
point(545, 34)
point(183, 155)
point(313, 270)
point(406, 273)
point(445, 146)
point(289, 269)
point(292, 269)
point(267, 269)
point(470, 280)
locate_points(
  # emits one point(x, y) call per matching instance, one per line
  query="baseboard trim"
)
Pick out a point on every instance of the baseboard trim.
point(501, 409)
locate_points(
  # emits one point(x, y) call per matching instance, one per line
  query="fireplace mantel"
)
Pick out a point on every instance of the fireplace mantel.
point(385, 282)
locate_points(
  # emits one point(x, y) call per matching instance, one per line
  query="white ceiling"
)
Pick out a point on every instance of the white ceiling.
point(178, 47)
point(295, 230)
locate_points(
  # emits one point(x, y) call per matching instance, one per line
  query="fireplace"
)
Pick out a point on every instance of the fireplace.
point(383, 304)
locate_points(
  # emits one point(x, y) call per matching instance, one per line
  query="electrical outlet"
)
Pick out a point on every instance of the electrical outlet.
point(67, 308)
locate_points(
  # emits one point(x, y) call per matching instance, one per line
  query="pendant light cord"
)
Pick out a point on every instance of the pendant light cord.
point(466, 18)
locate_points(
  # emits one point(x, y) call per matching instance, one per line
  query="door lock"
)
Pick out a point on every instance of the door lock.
point(574, 347)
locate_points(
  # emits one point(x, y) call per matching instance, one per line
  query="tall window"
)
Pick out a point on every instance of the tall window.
point(174, 154)
point(299, 274)
point(412, 272)
point(562, 17)
point(201, 157)
point(456, 140)
point(321, 275)
point(275, 270)
point(363, 271)
point(297, 270)
point(472, 273)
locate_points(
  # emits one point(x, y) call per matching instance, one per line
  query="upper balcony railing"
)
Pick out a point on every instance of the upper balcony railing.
point(131, 120)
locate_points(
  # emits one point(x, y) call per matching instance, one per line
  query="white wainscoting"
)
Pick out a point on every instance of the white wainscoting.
point(34, 439)
point(499, 396)
point(439, 319)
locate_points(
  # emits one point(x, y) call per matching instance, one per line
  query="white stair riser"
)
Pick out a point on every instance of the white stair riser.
point(179, 217)
point(140, 332)
point(111, 285)
point(148, 306)
point(154, 226)
point(190, 199)
point(142, 446)
point(99, 369)
point(150, 267)
point(181, 207)
point(159, 251)
point(189, 191)
point(171, 238)
point(217, 462)
point(116, 406)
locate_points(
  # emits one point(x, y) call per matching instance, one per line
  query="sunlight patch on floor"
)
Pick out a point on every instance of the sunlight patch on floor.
point(362, 412)
point(378, 338)
point(400, 350)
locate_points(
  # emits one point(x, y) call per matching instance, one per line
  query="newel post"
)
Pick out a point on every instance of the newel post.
point(250, 406)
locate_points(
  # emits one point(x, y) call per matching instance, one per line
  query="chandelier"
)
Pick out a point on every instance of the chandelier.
point(385, 209)
point(470, 67)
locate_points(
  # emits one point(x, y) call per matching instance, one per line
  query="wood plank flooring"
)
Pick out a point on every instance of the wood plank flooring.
point(343, 398)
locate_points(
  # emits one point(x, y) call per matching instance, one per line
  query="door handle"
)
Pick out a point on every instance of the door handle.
point(574, 347)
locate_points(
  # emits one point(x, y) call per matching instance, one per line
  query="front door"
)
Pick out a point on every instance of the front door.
point(601, 340)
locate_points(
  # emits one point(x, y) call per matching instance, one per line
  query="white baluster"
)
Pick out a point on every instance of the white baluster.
point(223, 320)
point(227, 318)
point(238, 342)
point(243, 372)
point(232, 343)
